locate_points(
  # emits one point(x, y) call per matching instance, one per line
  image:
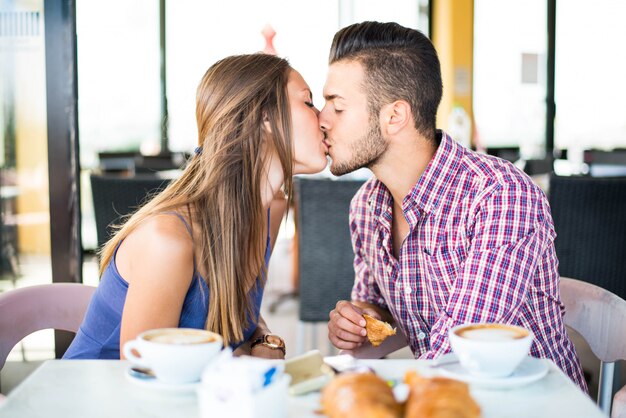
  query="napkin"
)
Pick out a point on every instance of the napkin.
point(245, 387)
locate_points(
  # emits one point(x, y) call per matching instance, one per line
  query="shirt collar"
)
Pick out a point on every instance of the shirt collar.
point(379, 200)
point(429, 189)
point(427, 192)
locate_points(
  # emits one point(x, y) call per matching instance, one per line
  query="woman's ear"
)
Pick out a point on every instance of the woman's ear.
point(395, 117)
point(266, 123)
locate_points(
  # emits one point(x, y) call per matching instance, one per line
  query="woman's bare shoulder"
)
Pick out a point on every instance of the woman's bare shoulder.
point(156, 260)
point(160, 246)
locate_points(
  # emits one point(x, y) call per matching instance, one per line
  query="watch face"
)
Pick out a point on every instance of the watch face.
point(274, 340)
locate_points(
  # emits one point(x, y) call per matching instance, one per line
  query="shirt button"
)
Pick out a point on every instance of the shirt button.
point(421, 335)
point(408, 290)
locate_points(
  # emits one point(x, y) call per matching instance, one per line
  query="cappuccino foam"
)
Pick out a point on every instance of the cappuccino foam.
point(181, 338)
point(491, 333)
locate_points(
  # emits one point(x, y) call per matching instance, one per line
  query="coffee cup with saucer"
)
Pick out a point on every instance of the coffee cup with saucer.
point(175, 356)
point(492, 355)
point(490, 350)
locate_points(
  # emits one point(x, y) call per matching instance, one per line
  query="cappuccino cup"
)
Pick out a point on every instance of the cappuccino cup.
point(490, 350)
point(175, 355)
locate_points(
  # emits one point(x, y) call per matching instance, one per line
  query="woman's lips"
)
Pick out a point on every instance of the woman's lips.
point(326, 142)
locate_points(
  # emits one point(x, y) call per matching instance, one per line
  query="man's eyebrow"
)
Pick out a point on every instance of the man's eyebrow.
point(330, 97)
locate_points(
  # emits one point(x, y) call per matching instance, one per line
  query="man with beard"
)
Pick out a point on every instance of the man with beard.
point(442, 235)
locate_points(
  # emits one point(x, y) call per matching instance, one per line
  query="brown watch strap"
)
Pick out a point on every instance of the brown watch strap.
point(263, 340)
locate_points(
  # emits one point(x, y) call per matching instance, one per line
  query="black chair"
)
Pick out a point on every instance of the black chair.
point(117, 162)
point(9, 256)
point(150, 164)
point(606, 163)
point(134, 163)
point(511, 154)
point(325, 255)
point(114, 197)
point(536, 166)
point(590, 221)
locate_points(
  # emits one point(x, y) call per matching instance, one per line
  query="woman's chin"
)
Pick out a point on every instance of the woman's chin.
point(313, 167)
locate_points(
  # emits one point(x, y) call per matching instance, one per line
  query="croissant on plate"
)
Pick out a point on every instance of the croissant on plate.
point(438, 397)
point(377, 331)
point(359, 395)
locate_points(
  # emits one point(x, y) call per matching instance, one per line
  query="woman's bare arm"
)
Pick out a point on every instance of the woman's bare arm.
point(157, 262)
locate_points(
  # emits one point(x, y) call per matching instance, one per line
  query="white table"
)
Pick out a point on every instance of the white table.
point(100, 388)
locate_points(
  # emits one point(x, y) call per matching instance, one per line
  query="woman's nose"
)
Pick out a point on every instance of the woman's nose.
point(323, 121)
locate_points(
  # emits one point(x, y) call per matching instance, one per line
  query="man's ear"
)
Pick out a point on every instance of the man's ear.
point(395, 117)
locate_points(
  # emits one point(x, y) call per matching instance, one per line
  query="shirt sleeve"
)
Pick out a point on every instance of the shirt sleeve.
point(511, 232)
point(365, 288)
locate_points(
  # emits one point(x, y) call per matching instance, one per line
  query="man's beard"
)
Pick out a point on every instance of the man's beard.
point(364, 152)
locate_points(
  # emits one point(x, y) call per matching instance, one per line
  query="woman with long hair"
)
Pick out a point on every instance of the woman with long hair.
point(196, 255)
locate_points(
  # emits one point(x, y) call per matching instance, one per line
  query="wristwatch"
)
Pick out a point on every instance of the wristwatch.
point(270, 341)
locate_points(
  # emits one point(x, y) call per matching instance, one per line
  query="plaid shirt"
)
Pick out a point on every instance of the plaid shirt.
point(480, 248)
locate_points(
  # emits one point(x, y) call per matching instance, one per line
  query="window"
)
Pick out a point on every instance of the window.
point(119, 92)
point(119, 86)
point(24, 188)
point(590, 65)
point(199, 33)
point(510, 45)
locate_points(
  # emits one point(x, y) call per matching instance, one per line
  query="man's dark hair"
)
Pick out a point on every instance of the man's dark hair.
point(399, 63)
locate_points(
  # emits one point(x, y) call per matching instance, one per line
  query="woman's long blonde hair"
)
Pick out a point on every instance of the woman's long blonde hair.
point(221, 186)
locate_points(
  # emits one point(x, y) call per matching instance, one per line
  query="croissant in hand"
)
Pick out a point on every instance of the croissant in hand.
point(438, 397)
point(359, 395)
point(377, 331)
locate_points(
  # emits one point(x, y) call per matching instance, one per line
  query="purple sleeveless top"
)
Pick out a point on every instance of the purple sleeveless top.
point(99, 334)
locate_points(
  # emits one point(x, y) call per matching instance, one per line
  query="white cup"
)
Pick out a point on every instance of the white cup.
point(490, 350)
point(175, 355)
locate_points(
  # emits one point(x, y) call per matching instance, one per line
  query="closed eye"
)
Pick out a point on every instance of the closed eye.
point(309, 104)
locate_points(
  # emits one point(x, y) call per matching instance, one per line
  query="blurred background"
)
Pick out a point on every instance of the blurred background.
point(88, 88)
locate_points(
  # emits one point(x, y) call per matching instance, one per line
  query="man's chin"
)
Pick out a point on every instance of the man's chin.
point(335, 172)
point(338, 169)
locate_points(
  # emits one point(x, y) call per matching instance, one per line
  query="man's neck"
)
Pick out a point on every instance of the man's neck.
point(403, 164)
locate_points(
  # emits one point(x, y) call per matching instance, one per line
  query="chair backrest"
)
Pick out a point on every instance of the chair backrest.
point(598, 315)
point(26, 310)
point(325, 254)
point(590, 221)
point(115, 196)
point(606, 163)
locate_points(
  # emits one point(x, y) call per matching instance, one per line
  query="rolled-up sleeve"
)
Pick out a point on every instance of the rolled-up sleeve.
point(365, 288)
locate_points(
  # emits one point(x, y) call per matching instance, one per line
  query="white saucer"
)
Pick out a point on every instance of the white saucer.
point(153, 383)
point(530, 370)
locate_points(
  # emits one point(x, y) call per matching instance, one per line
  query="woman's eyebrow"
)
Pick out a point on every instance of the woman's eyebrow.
point(306, 89)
